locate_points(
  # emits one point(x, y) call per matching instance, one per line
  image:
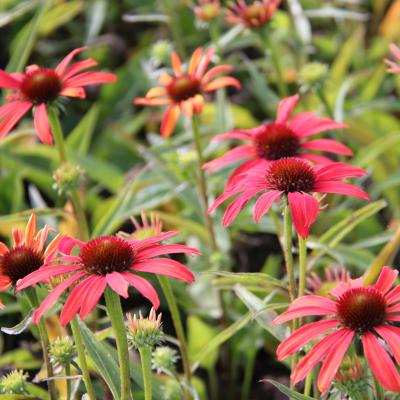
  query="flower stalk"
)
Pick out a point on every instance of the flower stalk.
point(114, 311)
point(302, 264)
point(287, 237)
point(202, 181)
point(45, 342)
point(145, 358)
point(80, 349)
point(59, 141)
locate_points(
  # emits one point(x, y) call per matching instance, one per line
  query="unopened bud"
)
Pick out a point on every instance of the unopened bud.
point(62, 351)
point(67, 177)
point(164, 359)
point(14, 383)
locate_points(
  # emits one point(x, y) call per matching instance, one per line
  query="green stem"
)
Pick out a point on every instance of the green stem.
point(276, 64)
point(380, 393)
point(68, 381)
point(202, 181)
point(176, 318)
point(115, 314)
point(248, 373)
point(145, 358)
point(80, 349)
point(212, 379)
point(308, 384)
point(302, 265)
point(287, 236)
point(44, 341)
point(59, 142)
point(324, 101)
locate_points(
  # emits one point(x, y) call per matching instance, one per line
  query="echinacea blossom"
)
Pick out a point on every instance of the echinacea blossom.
point(207, 10)
point(107, 261)
point(39, 87)
point(184, 92)
point(357, 311)
point(28, 253)
point(282, 138)
point(251, 15)
point(291, 178)
point(333, 276)
point(394, 66)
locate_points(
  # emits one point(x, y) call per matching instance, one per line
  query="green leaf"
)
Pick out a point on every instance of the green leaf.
point(222, 337)
point(292, 394)
point(199, 335)
point(103, 360)
point(19, 328)
point(37, 391)
point(248, 278)
point(79, 139)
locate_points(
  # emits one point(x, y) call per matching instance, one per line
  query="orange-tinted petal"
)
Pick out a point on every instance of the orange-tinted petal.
point(169, 121)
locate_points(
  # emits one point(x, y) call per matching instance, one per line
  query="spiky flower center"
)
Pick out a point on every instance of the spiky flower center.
point(107, 254)
point(20, 262)
point(291, 175)
point(41, 86)
point(184, 87)
point(252, 11)
point(361, 308)
point(276, 141)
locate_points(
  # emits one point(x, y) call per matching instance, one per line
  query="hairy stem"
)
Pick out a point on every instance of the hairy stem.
point(145, 358)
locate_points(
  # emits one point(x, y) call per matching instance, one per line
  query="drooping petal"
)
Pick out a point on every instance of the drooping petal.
point(316, 354)
point(203, 64)
point(215, 71)
point(308, 124)
point(169, 121)
point(237, 205)
point(198, 103)
point(118, 283)
point(341, 188)
point(8, 82)
point(165, 266)
point(304, 209)
point(20, 108)
point(55, 294)
point(44, 273)
point(89, 78)
point(236, 154)
point(78, 67)
point(152, 101)
point(335, 171)
point(391, 335)
point(236, 134)
point(67, 243)
point(242, 169)
point(76, 300)
point(333, 359)
point(264, 203)
point(307, 306)
point(42, 125)
point(380, 362)
point(328, 145)
point(392, 297)
point(139, 245)
point(285, 108)
point(222, 198)
point(221, 82)
point(165, 249)
point(92, 296)
point(386, 279)
point(74, 92)
point(143, 287)
point(303, 335)
point(63, 65)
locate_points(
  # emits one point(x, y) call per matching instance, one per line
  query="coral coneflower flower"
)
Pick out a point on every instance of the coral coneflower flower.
point(279, 139)
point(394, 66)
point(38, 87)
point(27, 254)
point(207, 10)
point(107, 261)
point(367, 312)
point(185, 91)
point(334, 275)
point(253, 15)
point(295, 179)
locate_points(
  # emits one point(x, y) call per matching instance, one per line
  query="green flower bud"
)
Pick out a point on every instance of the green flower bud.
point(161, 51)
point(144, 332)
point(164, 359)
point(313, 72)
point(62, 351)
point(14, 383)
point(67, 177)
point(172, 390)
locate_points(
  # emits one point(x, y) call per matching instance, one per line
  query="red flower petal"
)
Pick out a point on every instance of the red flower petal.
point(42, 125)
